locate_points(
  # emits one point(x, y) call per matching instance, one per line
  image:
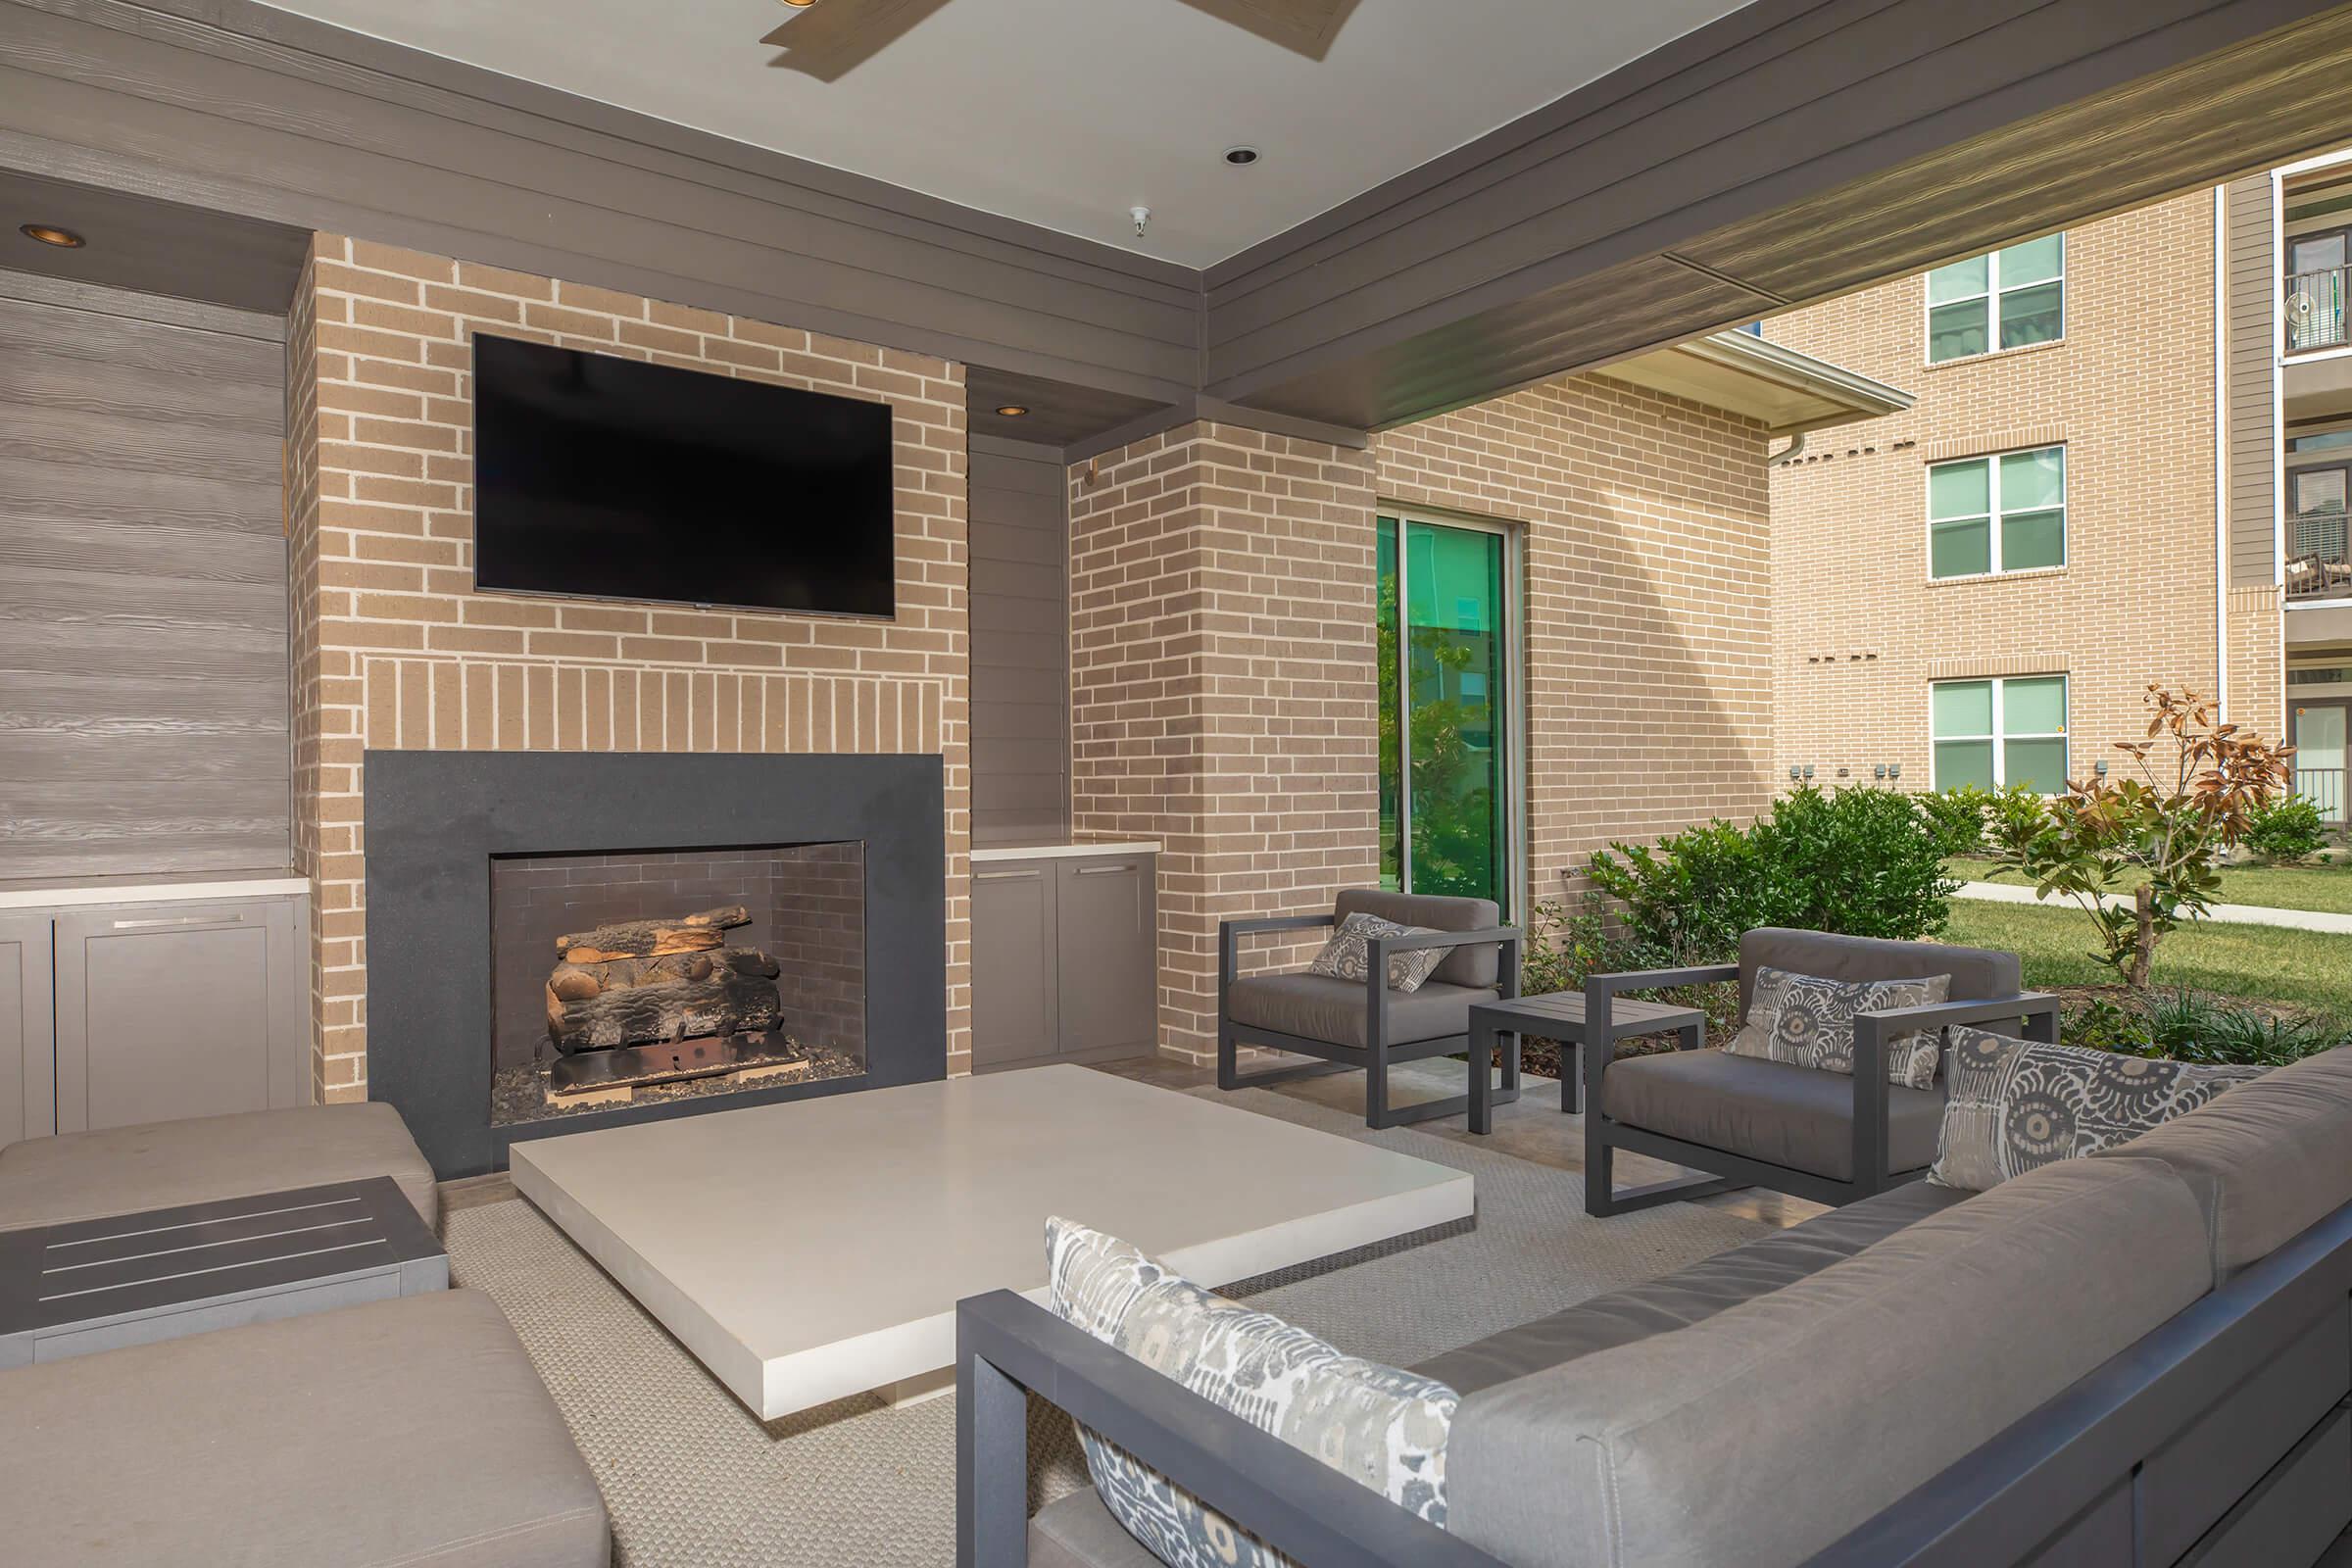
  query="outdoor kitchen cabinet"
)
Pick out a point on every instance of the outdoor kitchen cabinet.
point(115, 1014)
point(1066, 959)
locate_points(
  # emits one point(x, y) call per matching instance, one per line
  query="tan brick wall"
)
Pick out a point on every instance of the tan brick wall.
point(1221, 652)
point(1223, 585)
point(1859, 629)
point(393, 648)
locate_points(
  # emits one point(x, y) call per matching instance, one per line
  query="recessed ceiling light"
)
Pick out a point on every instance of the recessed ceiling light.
point(1012, 411)
point(64, 239)
point(1240, 157)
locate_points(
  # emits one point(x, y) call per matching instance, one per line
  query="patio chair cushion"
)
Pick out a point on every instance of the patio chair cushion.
point(1979, 974)
point(1382, 1428)
point(1076, 1531)
point(2269, 1160)
point(1807, 1020)
point(1767, 1110)
point(403, 1432)
point(1771, 1429)
point(2018, 1105)
point(1691, 1295)
point(1474, 966)
point(122, 1170)
point(1349, 953)
point(1315, 1007)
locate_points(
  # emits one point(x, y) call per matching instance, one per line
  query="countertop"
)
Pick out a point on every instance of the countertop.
point(81, 892)
point(1063, 850)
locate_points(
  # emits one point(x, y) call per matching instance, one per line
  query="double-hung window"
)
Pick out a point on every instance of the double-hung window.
point(1995, 733)
point(2004, 512)
point(2005, 300)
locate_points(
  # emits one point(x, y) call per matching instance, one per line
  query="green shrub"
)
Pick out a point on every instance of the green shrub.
point(2189, 1026)
point(2287, 831)
point(1862, 861)
point(1956, 818)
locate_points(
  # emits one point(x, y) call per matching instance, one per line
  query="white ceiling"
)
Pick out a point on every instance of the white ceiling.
point(1066, 113)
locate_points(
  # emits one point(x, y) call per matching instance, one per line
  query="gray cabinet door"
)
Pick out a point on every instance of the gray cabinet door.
point(27, 1043)
point(1109, 954)
point(1013, 1003)
point(180, 1010)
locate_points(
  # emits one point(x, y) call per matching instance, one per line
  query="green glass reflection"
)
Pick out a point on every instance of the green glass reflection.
point(2032, 539)
point(2035, 707)
point(2033, 315)
point(2033, 261)
point(1959, 763)
point(2039, 766)
point(1391, 784)
point(1962, 707)
point(1957, 332)
point(1956, 281)
point(1960, 548)
point(1455, 676)
point(1959, 490)
point(2032, 479)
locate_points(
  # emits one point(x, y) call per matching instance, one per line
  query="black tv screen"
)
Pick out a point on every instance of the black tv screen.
point(610, 478)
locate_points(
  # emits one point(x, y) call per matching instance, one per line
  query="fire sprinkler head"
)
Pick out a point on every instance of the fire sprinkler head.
point(1142, 216)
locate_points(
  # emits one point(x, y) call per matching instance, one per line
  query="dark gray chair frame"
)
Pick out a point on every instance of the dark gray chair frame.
point(2244, 1388)
point(1378, 1053)
point(2035, 1012)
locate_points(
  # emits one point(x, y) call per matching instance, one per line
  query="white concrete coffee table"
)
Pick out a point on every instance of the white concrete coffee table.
point(813, 1249)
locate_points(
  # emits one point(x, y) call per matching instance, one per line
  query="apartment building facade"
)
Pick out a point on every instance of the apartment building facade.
point(2126, 463)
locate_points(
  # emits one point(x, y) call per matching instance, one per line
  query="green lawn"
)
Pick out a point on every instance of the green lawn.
point(2268, 963)
point(2271, 887)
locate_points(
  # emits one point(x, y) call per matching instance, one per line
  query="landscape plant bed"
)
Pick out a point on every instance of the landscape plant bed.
point(2321, 889)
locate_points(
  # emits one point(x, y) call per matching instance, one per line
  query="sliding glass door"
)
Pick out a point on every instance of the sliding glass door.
point(1447, 707)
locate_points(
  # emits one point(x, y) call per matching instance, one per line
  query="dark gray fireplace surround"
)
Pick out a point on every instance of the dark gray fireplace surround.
point(434, 819)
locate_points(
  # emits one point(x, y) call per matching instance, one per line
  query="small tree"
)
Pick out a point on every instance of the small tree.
point(2159, 836)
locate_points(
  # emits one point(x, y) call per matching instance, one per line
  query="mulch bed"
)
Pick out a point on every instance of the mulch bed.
point(2123, 995)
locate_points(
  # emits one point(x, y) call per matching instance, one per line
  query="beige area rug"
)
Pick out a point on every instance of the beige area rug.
point(694, 1481)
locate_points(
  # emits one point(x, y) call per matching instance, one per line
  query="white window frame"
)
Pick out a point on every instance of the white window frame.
point(1992, 498)
point(1992, 294)
point(2000, 737)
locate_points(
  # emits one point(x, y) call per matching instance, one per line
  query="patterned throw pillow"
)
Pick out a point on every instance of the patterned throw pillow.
point(1382, 1427)
point(2018, 1105)
point(1807, 1021)
point(1345, 954)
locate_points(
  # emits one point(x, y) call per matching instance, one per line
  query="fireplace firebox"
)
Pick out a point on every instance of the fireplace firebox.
point(702, 931)
point(620, 979)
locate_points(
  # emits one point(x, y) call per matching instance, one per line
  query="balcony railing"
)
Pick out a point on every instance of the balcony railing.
point(2319, 554)
point(2322, 787)
point(2314, 305)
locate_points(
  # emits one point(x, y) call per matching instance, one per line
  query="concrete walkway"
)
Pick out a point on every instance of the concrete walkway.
point(2221, 913)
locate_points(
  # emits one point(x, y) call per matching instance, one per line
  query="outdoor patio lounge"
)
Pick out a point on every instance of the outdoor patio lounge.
point(886, 783)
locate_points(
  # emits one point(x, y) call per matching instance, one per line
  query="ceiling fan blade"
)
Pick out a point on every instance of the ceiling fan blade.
point(831, 37)
point(1303, 26)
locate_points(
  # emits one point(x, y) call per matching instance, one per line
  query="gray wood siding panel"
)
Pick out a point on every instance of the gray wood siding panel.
point(142, 596)
point(396, 145)
point(2253, 347)
point(1020, 648)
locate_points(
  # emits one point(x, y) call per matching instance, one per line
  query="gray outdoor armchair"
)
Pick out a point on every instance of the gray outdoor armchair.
point(1748, 1122)
point(1367, 1025)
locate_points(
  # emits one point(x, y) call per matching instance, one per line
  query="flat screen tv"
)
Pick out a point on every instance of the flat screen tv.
point(609, 478)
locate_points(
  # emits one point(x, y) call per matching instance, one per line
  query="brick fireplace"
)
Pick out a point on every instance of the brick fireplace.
point(394, 652)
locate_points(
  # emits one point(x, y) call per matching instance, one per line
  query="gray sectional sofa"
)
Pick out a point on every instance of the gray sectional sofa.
point(401, 1432)
point(2142, 1357)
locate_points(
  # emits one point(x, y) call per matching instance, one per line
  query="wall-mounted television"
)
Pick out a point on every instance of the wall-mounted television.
point(602, 477)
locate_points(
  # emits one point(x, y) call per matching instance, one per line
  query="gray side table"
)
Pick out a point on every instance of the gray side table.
point(131, 1279)
point(1560, 1017)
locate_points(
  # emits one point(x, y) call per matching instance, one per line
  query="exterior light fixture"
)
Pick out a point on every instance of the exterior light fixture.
point(1012, 411)
point(64, 239)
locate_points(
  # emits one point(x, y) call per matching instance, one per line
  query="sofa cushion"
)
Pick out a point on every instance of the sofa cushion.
point(1472, 967)
point(1376, 1425)
point(2017, 1105)
point(1690, 1295)
point(1349, 953)
point(403, 1432)
point(1321, 1008)
point(2269, 1160)
point(48, 1181)
point(1768, 1430)
point(1767, 1110)
point(1077, 1532)
point(1977, 973)
point(1807, 1020)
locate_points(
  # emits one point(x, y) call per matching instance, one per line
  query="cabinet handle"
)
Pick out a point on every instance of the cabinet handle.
point(1004, 877)
point(1104, 870)
point(184, 920)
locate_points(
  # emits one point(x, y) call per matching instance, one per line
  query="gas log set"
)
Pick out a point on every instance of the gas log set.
point(647, 1000)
